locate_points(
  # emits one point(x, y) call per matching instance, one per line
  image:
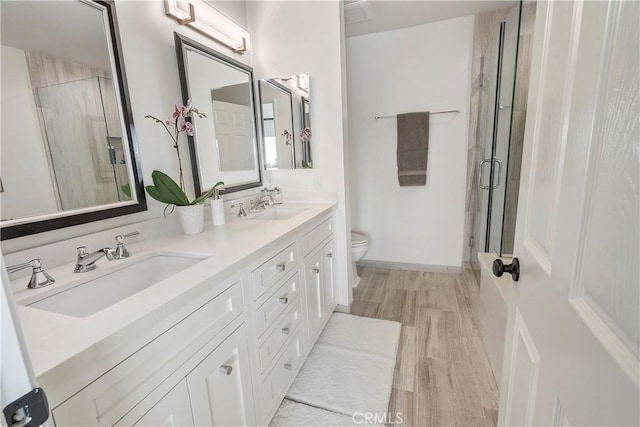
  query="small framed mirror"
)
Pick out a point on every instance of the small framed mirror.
point(286, 122)
point(224, 145)
point(68, 153)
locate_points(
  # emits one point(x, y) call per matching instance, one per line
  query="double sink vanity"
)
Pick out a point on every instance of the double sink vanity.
point(173, 329)
point(208, 329)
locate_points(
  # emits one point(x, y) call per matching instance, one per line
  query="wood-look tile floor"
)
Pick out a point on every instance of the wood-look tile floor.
point(442, 376)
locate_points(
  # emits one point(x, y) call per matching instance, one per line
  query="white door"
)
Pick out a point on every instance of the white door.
point(571, 354)
point(234, 136)
point(313, 281)
point(329, 278)
point(220, 386)
point(16, 373)
point(174, 409)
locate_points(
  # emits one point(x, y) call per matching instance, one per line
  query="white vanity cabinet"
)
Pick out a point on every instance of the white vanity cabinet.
point(220, 386)
point(231, 361)
point(319, 274)
point(174, 409)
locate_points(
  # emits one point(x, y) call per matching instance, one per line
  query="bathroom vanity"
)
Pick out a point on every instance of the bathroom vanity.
point(218, 342)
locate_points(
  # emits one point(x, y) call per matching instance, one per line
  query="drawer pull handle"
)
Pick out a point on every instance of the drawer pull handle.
point(330, 255)
point(288, 366)
point(286, 331)
point(284, 300)
point(315, 270)
point(281, 267)
point(226, 369)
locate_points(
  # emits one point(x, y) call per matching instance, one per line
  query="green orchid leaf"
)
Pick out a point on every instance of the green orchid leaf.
point(208, 194)
point(126, 190)
point(168, 189)
point(153, 192)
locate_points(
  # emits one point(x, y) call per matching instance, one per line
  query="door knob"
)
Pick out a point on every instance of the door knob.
point(499, 268)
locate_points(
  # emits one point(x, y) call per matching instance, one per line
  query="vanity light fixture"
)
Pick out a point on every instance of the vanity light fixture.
point(303, 82)
point(210, 22)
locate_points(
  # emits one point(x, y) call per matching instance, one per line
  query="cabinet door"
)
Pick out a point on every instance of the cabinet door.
point(220, 386)
point(328, 278)
point(174, 409)
point(314, 294)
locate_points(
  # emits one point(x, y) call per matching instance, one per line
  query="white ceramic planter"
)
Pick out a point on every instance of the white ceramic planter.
point(191, 218)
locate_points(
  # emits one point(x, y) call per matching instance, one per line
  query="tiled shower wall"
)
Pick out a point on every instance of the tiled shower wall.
point(486, 25)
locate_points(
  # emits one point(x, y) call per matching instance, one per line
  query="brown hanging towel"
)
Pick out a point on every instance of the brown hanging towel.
point(413, 147)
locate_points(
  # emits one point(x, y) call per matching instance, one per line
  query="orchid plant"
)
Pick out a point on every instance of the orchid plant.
point(164, 188)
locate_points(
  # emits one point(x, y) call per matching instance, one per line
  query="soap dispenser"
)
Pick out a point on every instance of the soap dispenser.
point(217, 208)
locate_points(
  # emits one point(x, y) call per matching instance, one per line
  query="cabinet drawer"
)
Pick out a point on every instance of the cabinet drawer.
point(277, 304)
point(279, 336)
point(107, 399)
point(277, 267)
point(278, 380)
point(313, 238)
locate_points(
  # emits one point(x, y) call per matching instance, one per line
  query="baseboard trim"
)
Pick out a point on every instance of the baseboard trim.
point(409, 266)
point(342, 309)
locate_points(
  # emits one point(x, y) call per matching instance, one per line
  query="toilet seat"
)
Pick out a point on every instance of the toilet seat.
point(358, 240)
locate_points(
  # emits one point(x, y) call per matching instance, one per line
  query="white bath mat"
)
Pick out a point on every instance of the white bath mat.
point(293, 414)
point(373, 336)
point(346, 381)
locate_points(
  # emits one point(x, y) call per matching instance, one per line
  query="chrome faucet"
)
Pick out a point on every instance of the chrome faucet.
point(39, 277)
point(87, 261)
point(120, 252)
point(241, 211)
point(261, 204)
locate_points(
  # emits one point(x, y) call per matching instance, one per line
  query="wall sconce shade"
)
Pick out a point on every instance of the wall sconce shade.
point(210, 22)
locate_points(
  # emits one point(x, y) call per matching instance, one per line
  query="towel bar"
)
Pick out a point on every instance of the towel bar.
point(434, 112)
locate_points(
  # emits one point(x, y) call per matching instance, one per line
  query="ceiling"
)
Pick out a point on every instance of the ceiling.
point(374, 16)
point(73, 31)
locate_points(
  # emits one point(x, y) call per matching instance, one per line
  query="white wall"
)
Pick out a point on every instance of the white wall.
point(423, 68)
point(297, 37)
point(146, 34)
point(22, 144)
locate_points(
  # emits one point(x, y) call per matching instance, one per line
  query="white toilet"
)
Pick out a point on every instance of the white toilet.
point(359, 246)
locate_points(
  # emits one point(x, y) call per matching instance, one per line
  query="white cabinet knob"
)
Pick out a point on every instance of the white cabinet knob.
point(226, 369)
point(330, 255)
point(283, 300)
point(288, 366)
point(315, 270)
point(281, 267)
point(286, 331)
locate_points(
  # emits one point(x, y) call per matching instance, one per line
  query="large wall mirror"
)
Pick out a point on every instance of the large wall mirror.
point(224, 146)
point(67, 151)
point(286, 122)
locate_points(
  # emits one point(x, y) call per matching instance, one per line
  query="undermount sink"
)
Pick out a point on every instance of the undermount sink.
point(97, 294)
point(278, 213)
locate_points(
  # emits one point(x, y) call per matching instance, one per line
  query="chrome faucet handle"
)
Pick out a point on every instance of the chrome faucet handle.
point(82, 251)
point(121, 252)
point(241, 211)
point(39, 277)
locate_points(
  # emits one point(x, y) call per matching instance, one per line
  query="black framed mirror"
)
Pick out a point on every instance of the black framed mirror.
point(286, 122)
point(69, 155)
point(224, 145)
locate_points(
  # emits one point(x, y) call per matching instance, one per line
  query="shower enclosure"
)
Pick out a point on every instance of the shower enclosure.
point(502, 89)
point(83, 142)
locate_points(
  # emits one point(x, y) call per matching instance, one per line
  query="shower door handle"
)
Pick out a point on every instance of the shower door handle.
point(481, 173)
point(499, 173)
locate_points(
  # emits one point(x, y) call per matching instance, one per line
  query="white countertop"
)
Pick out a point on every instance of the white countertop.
point(55, 340)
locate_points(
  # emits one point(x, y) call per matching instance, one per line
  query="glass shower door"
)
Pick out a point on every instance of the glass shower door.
point(502, 134)
point(487, 123)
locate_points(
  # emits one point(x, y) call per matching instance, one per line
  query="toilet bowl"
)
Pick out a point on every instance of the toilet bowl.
point(359, 246)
